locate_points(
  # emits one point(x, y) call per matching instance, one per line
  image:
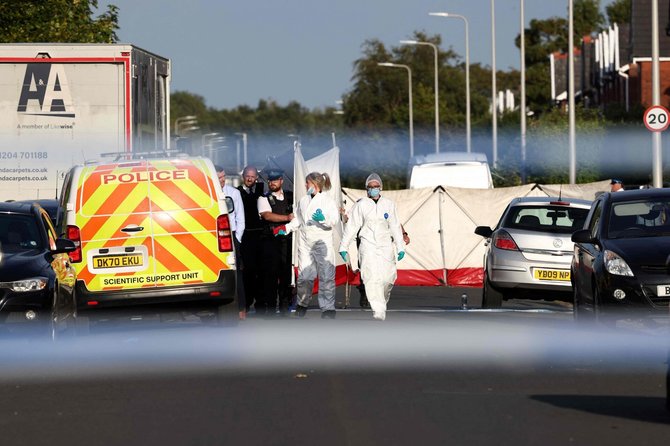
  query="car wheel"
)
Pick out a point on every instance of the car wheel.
point(491, 297)
point(227, 315)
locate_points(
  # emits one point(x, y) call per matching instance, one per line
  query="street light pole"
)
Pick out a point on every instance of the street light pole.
point(571, 93)
point(522, 105)
point(467, 73)
point(657, 172)
point(494, 88)
point(244, 147)
point(411, 113)
point(437, 101)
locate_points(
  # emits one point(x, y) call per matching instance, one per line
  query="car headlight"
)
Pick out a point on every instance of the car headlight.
point(21, 286)
point(614, 264)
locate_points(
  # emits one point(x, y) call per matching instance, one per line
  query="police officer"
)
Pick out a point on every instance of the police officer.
point(275, 208)
point(251, 190)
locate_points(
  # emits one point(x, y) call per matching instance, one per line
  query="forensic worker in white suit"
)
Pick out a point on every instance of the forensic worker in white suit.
point(316, 217)
point(375, 220)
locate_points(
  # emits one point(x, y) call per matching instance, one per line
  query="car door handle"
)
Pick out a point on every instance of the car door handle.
point(132, 228)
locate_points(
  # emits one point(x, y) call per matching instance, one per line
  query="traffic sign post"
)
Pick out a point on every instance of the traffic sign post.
point(657, 118)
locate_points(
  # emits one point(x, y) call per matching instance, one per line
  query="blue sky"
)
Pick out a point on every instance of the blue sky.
point(235, 52)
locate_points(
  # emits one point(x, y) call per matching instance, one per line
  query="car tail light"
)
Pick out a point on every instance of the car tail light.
point(74, 235)
point(502, 240)
point(560, 203)
point(224, 234)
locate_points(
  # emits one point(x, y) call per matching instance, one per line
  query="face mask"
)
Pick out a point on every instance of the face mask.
point(374, 192)
point(310, 191)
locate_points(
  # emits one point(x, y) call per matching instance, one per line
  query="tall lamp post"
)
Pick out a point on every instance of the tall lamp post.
point(204, 143)
point(571, 93)
point(522, 105)
point(494, 88)
point(244, 148)
point(437, 102)
point(657, 156)
point(467, 73)
point(411, 117)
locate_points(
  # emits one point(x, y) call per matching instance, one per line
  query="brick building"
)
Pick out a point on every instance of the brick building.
point(614, 67)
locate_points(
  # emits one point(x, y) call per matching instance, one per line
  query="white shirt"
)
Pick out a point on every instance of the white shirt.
point(237, 222)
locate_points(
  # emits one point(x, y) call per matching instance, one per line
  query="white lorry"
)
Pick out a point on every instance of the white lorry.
point(451, 169)
point(66, 104)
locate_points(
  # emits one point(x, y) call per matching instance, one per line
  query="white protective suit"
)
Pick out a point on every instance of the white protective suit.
point(316, 255)
point(381, 239)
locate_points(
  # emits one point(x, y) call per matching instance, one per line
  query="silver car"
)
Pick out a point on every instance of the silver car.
point(529, 252)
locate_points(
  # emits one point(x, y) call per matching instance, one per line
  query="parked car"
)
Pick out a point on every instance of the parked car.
point(528, 254)
point(36, 278)
point(53, 208)
point(621, 262)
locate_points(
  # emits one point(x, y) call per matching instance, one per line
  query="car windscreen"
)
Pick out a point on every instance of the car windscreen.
point(642, 218)
point(549, 218)
point(19, 233)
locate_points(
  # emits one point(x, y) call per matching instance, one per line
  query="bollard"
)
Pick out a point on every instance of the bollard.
point(464, 301)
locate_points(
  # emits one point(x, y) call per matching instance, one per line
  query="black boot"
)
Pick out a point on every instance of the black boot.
point(364, 298)
point(300, 311)
point(328, 314)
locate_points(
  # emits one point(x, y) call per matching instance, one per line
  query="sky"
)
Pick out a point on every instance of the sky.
point(237, 52)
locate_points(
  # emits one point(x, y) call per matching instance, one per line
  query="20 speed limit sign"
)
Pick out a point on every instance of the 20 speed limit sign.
point(656, 118)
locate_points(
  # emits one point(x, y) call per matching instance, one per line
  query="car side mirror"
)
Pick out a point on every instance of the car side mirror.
point(484, 231)
point(63, 245)
point(582, 236)
point(230, 205)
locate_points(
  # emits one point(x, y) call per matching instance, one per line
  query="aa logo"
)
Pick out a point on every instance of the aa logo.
point(45, 91)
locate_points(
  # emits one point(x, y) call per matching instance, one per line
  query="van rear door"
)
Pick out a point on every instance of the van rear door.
point(114, 217)
point(185, 206)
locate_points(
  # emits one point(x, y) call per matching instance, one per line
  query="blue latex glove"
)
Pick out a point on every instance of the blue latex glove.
point(282, 232)
point(318, 216)
point(401, 254)
point(344, 256)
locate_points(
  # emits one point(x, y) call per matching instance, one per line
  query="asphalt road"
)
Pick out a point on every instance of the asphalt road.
point(432, 373)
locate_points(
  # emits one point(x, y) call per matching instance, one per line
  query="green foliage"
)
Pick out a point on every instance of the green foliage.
point(61, 21)
point(619, 11)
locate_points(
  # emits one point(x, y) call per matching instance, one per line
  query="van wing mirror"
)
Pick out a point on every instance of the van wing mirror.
point(230, 205)
point(484, 231)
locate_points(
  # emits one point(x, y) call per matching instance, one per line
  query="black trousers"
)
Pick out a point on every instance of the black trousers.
point(277, 271)
point(239, 281)
point(252, 257)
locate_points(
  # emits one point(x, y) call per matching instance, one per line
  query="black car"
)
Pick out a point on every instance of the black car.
point(621, 260)
point(36, 278)
point(52, 206)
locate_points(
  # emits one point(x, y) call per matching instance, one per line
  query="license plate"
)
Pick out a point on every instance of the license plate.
point(117, 261)
point(551, 274)
point(663, 290)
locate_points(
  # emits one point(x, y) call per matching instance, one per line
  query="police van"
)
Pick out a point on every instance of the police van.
point(151, 231)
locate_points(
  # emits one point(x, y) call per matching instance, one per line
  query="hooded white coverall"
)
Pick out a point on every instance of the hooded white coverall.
point(316, 255)
point(381, 238)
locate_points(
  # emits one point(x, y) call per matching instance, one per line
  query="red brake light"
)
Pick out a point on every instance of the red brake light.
point(224, 234)
point(74, 235)
point(502, 240)
point(560, 203)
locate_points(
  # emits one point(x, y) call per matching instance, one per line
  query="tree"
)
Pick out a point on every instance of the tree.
point(60, 21)
point(618, 12)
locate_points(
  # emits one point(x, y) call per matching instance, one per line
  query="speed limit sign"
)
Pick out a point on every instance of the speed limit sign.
point(656, 118)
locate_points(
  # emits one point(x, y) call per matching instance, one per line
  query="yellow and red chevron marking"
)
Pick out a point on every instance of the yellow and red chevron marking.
point(178, 212)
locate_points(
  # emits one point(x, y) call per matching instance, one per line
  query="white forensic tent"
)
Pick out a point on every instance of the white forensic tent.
point(444, 250)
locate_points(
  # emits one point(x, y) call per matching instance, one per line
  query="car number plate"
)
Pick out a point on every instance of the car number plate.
point(551, 274)
point(662, 290)
point(118, 261)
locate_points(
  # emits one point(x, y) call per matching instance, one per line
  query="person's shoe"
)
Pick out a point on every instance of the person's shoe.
point(300, 311)
point(364, 303)
point(379, 315)
point(243, 315)
point(328, 314)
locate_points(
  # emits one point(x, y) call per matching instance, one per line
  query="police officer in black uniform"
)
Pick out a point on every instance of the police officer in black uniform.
point(251, 190)
point(276, 209)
